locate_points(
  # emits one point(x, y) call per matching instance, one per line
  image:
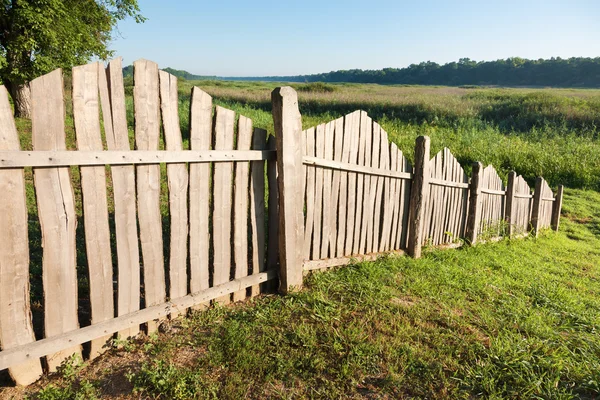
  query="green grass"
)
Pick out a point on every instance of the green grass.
point(512, 319)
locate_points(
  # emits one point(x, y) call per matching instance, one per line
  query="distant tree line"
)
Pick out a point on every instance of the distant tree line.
point(558, 72)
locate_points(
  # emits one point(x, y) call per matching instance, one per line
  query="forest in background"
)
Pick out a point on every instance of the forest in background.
point(515, 71)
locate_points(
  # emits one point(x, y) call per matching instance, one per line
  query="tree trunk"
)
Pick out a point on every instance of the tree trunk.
point(21, 98)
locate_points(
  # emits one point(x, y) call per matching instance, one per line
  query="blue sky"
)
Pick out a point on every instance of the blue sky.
point(259, 38)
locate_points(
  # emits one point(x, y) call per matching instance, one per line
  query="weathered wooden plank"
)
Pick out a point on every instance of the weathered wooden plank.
point(360, 182)
point(389, 199)
point(343, 206)
point(288, 128)
point(438, 210)
point(335, 165)
point(536, 222)
point(112, 99)
point(404, 215)
point(328, 211)
point(337, 211)
point(222, 203)
point(273, 210)
point(304, 168)
point(200, 139)
point(320, 153)
point(177, 176)
point(241, 204)
point(375, 159)
point(310, 194)
point(257, 207)
point(385, 209)
point(86, 114)
point(383, 164)
point(314, 265)
point(465, 204)
point(557, 208)
point(366, 127)
point(510, 203)
point(475, 209)
point(16, 328)
point(396, 196)
point(91, 158)
point(419, 196)
point(56, 210)
point(147, 130)
point(351, 129)
point(28, 352)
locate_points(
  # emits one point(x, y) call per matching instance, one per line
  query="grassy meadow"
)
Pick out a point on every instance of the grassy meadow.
point(513, 319)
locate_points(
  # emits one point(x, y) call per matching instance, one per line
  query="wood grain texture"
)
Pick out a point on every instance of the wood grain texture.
point(366, 234)
point(56, 210)
point(475, 208)
point(386, 201)
point(201, 120)
point(257, 208)
point(273, 210)
point(360, 183)
point(310, 150)
point(86, 114)
point(147, 131)
point(222, 201)
point(288, 128)
point(343, 197)
point(16, 326)
point(177, 177)
point(241, 204)
point(375, 159)
point(337, 211)
point(351, 129)
point(319, 153)
point(328, 211)
point(112, 100)
point(384, 162)
point(419, 196)
point(555, 223)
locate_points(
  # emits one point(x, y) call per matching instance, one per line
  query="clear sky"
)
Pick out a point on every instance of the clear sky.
point(286, 37)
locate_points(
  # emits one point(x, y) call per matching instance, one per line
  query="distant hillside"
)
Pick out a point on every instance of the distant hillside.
point(128, 71)
point(558, 72)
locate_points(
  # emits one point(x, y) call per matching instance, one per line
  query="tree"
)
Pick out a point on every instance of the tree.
point(37, 36)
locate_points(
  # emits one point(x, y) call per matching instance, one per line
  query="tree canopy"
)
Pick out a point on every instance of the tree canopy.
point(37, 36)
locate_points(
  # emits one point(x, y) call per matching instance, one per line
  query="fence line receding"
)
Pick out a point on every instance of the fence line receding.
point(241, 208)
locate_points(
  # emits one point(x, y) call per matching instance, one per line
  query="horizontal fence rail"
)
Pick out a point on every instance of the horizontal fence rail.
point(161, 230)
point(67, 158)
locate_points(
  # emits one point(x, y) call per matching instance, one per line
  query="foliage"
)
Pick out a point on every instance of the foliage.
point(37, 36)
point(515, 71)
point(71, 388)
point(316, 87)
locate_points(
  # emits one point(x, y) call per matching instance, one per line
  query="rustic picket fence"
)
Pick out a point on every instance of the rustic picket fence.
point(243, 210)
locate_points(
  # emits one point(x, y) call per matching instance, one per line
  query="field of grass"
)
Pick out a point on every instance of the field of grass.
point(514, 319)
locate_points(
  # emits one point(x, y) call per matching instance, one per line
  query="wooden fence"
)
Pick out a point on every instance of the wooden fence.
point(242, 210)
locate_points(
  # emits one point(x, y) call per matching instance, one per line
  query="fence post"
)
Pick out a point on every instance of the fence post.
point(557, 208)
point(537, 203)
point(510, 198)
point(474, 204)
point(419, 196)
point(288, 136)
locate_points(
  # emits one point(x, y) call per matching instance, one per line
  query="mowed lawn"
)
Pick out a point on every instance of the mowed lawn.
point(512, 319)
